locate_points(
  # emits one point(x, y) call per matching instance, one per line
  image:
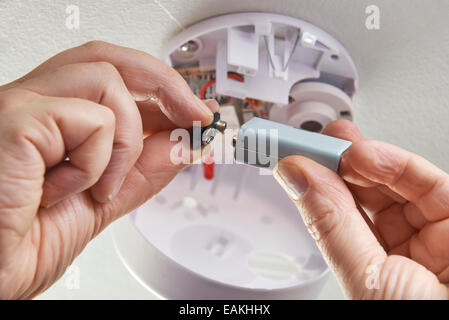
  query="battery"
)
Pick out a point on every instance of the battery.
point(262, 143)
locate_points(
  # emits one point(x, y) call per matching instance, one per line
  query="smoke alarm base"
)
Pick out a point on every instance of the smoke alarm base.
point(315, 102)
point(272, 51)
point(237, 236)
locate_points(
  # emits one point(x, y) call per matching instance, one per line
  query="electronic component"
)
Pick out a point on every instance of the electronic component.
point(203, 85)
point(209, 167)
point(313, 105)
point(207, 230)
point(262, 143)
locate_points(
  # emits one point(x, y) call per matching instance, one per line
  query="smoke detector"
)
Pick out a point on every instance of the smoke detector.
point(238, 236)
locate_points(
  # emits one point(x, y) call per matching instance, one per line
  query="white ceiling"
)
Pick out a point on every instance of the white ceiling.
point(403, 93)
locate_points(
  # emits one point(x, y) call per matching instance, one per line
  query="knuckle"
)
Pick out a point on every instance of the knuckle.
point(14, 115)
point(168, 74)
point(111, 78)
point(9, 98)
point(106, 118)
point(387, 163)
point(95, 46)
point(322, 218)
point(14, 131)
point(106, 69)
point(19, 132)
point(5, 101)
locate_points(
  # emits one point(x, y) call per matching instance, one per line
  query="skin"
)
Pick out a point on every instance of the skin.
point(402, 252)
point(78, 105)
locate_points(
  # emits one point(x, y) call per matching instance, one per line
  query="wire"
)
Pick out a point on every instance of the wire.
point(231, 75)
point(252, 103)
point(204, 88)
point(236, 76)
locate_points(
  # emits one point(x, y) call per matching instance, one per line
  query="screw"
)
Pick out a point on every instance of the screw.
point(189, 47)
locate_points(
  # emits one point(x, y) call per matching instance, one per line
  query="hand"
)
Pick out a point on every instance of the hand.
point(78, 105)
point(407, 199)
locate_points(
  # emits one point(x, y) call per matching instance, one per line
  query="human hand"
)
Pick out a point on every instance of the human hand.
point(407, 200)
point(79, 105)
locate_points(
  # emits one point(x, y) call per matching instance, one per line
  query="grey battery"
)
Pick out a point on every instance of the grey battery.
point(262, 143)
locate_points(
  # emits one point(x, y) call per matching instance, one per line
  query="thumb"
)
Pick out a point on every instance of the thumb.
point(330, 214)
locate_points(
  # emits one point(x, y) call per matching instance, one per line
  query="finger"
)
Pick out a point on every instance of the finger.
point(389, 220)
point(398, 221)
point(343, 129)
point(154, 120)
point(405, 173)
point(384, 218)
point(88, 159)
point(370, 197)
point(101, 83)
point(394, 223)
point(54, 128)
point(429, 248)
point(414, 216)
point(149, 176)
point(378, 199)
point(144, 75)
point(330, 214)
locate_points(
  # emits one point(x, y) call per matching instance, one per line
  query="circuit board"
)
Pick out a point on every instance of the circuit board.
point(202, 84)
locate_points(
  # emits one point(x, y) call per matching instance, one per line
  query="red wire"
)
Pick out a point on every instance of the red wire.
point(204, 88)
point(211, 82)
point(208, 167)
point(235, 76)
point(254, 103)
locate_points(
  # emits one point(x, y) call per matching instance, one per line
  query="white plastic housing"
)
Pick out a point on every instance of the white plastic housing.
point(237, 236)
point(273, 51)
point(316, 102)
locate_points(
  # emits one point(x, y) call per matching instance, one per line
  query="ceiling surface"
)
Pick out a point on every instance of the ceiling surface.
point(403, 95)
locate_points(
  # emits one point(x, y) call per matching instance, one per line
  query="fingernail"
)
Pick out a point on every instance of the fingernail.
point(204, 107)
point(212, 104)
point(116, 189)
point(291, 180)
